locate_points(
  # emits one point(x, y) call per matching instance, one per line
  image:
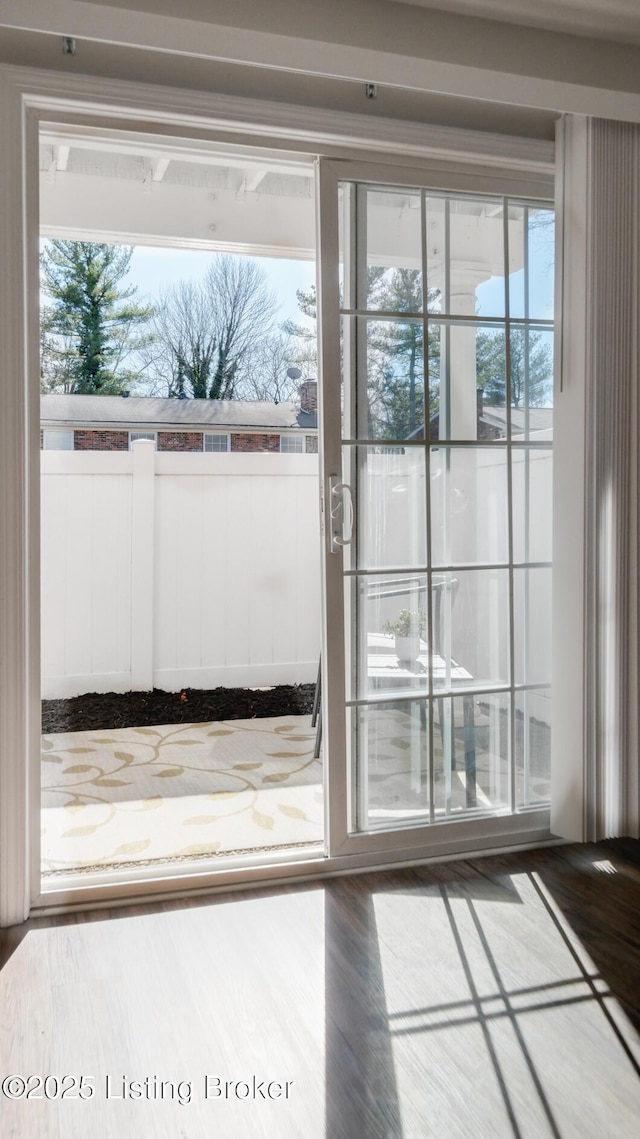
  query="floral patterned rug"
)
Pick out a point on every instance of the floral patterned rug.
point(138, 795)
point(126, 796)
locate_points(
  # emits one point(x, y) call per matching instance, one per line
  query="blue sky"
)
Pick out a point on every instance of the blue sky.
point(154, 269)
point(490, 295)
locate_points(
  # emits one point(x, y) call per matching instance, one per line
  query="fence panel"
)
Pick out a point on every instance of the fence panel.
point(237, 570)
point(178, 570)
point(86, 573)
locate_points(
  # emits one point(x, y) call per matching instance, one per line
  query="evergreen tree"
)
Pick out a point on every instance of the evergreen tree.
point(395, 351)
point(531, 361)
point(90, 324)
point(396, 355)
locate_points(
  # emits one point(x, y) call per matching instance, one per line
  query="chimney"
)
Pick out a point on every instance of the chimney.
point(308, 390)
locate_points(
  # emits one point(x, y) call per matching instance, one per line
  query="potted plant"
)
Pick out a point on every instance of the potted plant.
point(408, 627)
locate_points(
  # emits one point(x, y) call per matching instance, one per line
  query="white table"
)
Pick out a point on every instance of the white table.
point(386, 672)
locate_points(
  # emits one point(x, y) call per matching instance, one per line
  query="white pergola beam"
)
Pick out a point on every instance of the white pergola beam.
point(172, 215)
point(114, 142)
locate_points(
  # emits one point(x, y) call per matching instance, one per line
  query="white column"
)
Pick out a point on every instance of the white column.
point(462, 355)
point(463, 407)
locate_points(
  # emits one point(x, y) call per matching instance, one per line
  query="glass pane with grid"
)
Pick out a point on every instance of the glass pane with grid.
point(532, 742)
point(392, 739)
point(447, 427)
point(471, 754)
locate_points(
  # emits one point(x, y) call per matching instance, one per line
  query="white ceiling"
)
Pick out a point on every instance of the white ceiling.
point(105, 185)
point(605, 19)
point(108, 185)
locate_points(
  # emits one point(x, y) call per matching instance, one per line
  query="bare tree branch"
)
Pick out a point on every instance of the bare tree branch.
point(204, 333)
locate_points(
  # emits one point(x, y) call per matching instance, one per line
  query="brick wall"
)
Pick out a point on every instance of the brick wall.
point(308, 390)
point(88, 440)
point(249, 442)
point(180, 441)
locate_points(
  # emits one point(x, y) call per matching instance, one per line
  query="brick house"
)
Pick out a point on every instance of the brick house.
point(113, 423)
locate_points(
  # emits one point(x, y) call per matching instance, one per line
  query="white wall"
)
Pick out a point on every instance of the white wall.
point(395, 45)
point(202, 570)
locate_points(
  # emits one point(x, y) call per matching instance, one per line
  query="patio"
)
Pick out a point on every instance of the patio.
point(178, 791)
point(142, 795)
point(151, 580)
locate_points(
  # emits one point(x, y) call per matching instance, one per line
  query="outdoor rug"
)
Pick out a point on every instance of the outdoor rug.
point(138, 795)
point(190, 791)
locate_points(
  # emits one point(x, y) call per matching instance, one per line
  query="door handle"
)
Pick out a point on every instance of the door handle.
point(339, 492)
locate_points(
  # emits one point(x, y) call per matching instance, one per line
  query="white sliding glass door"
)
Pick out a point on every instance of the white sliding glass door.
point(437, 372)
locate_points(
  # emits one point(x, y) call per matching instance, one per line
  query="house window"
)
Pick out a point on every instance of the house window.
point(57, 439)
point(292, 444)
point(135, 435)
point(216, 441)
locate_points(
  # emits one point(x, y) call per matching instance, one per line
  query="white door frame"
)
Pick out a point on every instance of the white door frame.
point(26, 98)
point(403, 840)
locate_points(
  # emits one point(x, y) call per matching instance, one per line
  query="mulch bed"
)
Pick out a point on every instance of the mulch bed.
point(100, 710)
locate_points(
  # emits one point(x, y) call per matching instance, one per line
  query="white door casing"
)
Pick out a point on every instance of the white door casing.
point(29, 97)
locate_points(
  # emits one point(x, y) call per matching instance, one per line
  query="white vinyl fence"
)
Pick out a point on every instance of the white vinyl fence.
point(175, 570)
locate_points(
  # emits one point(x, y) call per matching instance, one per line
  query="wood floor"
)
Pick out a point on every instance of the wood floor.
point(489, 998)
